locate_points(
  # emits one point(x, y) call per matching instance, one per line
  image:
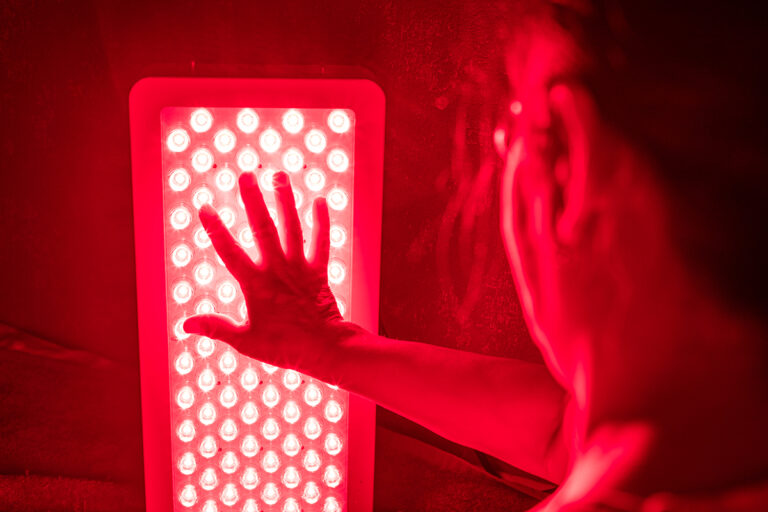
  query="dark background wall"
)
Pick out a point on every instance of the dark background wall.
point(67, 264)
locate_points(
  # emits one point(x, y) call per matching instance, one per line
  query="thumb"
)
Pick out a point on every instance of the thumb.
point(220, 327)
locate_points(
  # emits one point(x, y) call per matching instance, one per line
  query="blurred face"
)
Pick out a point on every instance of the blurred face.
point(532, 194)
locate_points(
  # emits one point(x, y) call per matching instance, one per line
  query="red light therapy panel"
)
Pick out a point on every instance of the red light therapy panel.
point(237, 434)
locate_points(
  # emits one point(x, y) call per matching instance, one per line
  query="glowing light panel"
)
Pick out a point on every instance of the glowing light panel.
point(244, 435)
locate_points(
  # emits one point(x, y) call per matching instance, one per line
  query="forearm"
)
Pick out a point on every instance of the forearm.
point(508, 408)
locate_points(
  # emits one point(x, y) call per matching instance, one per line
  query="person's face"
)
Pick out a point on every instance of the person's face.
point(530, 195)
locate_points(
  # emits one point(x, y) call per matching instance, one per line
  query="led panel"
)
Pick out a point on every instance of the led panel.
point(223, 431)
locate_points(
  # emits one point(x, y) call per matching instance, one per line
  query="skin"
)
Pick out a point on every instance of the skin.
point(652, 383)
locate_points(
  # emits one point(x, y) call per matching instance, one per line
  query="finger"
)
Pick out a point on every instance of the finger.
point(288, 218)
point(320, 245)
point(263, 227)
point(220, 327)
point(234, 257)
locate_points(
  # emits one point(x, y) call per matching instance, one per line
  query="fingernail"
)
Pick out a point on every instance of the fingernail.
point(280, 179)
point(207, 211)
point(247, 179)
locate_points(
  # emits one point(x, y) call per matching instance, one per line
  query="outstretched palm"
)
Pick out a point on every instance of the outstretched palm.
point(292, 313)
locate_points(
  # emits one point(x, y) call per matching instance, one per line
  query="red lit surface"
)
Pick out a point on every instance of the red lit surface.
point(229, 432)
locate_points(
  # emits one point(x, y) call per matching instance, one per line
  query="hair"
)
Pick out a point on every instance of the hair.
point(685, 85)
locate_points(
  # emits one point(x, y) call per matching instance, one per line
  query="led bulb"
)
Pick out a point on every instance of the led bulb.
point(206, 380)
point(247, 159)
point(250, 505)
point(291, 445)
point(204, 273)
point(332, 444)
point(181, 255)
point(208, 447)
point(249, 413)
point(337, 160)
point(228, 430)
point(207, 414)
point(270, 430)
point(186, 431)
point(184, 363)
point(227, 216)
point(178, 140)
point(229, 463)
point(202, 160)
point(312, 428)
point(338, 121)
point(179, 180)
point(205, 307)
point(333, 412)
point(205, 347)
point(311, 461)
point(270, 494)
point(227, 292)
point(270, 396)
point(247, 120)
point(249, 447)
point(314, 180)
point(182, 292)
point(336, 272)
point(311, 493)
point(224, 141)
point(249, 379)
point(291, 379)
point(229, 495)
point(293, 121)
point(227, 363)
point(270, 140)
point(338, 236)
point(245, 237)
point(315, 141)
point(312, 395)
point(226, 179)
point(332, 476)
point(341, 306)
point(208, 479)
point(291, 505)
point(271, 462)
point(291, 412)
point(201, 120)
point(180, 218)
point(331, 504)
point(201, 238)
point(178, 329)
point(265, 180)
point(209, 506)
point(187, 464)
point(337, 199)
point(188, 496)
point(250, 479)
point(293, 160)
point(185, 397)
point(201, 196)
point(228, 397)
point(291, 477)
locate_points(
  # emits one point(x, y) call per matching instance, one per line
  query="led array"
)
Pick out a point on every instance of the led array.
point(248, 436)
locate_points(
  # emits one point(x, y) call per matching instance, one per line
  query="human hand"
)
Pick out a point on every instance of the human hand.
point(293, 320)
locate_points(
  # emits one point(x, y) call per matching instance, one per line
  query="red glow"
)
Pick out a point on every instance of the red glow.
point(234, 430)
